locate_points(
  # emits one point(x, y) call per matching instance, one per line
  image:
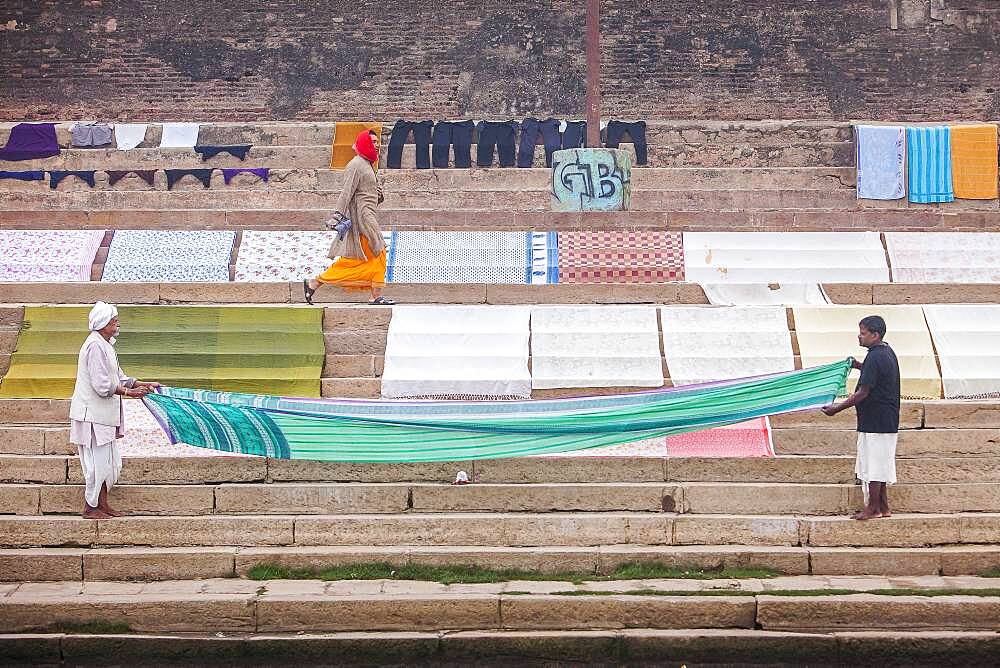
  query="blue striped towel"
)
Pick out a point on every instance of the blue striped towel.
point(881, 161)
point(929, 152)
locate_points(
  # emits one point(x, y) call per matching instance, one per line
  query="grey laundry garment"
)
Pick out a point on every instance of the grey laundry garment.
point(91, 134)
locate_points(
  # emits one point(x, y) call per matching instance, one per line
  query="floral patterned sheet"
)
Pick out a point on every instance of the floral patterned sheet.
point(147, 256)
point(145, 438)
point(944, 257)
point(48, 255)
point(278, 257)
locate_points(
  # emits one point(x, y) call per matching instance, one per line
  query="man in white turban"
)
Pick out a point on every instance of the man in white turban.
point(97, 419)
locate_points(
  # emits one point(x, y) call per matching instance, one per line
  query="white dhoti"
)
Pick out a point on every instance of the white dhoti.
point(876, 460)
point(101, 462)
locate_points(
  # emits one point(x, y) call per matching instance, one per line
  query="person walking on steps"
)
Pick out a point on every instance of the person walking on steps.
point(359, 249)
point(97, 418)
point(876, 400)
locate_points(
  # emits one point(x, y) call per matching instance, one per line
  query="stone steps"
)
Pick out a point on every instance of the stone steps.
point(474, 180)
point(610, 647)
point(721, 498)
point(238, 606)
point(864, 218)
point(40, 564)
point(501, 529)
point(463, 293)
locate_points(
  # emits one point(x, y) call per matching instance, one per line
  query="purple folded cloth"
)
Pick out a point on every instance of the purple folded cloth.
point(228, 174)
point(29, 141)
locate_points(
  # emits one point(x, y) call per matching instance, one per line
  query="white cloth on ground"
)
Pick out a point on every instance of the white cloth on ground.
point(784, 257)
point(830, 333)
point(478, 351)
point(179, 135)
point(129, 135)
point(705, 343)
point(595, 346)
point(967, 338)
point(762, 294)
point(881, 153)
point(101, 464)
point(876, 459)
point(944, 257)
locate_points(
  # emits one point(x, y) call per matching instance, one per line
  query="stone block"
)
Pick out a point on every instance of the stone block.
point(42, 469)
point(874, 561)
point(437, 293)
point(957, 442)
point(935, 293)
point(929, 648)
point(969, 559)
point(354, 388)
point(133, 499)
point(951, 414)
point(317, 558)
point(649, 529)
point(911, 416)
point(202, 613)
point(311, 498)
point(735, 530)
point(766, 498)
point(343, 318)
point(33, 411)
point(147, 564)
point(730, 646)
point(8, 339)
point(355, 342)
point(19, 500)
point(559, 559)
point(777, 470)
point(11, 316)
point(620, 611)
point(22, 441)
point(940, 498)
point(349, 366)
point(41, 565)
point(591, 179)
point(814, 442)
point(977, 528)
point(849, 293)
point(897, 531)
point(527, 648)
point(224, 293)
point(386, 530)
point(79, 293)
point(47, 531)
point(288, 614)
point(184, 470)
point(786, 560)
point(289, 470)
point(569, 469)
point(189, 531)
point(31, 649)
point(541, 497)
point(861, 612)
point(948, 470)
point(57, 442)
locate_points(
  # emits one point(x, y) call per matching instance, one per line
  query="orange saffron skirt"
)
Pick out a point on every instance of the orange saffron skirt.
point(353, 274)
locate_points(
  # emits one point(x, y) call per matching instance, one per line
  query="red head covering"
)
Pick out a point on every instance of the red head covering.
point(365, 146)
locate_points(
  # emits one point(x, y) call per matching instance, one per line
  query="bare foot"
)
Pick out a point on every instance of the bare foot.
point(111, 512)
point(886, 514)
point(94, 514)
point(865, 515)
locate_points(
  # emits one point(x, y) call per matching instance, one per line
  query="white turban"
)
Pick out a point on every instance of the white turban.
point(101, 315)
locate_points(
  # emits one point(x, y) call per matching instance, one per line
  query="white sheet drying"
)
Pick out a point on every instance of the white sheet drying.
point(944, 257)
point(129, 135)
point(179, 135)
point(764, 294)
point(967, 338)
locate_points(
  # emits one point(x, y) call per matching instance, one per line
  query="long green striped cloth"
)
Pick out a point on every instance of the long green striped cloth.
point(346, 430)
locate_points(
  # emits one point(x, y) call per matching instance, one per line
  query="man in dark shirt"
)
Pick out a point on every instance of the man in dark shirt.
point(876, 399)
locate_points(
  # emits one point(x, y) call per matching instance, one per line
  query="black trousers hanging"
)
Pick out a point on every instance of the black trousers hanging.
point(497, 135)
point(530, 127)
point(446, 134)
point(635, 131)
point(421, 137)
point(575, 135)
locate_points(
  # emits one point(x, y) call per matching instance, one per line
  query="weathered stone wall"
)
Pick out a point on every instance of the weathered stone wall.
point(323, 59)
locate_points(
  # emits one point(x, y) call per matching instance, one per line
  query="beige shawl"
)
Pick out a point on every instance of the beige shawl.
point(358, 201)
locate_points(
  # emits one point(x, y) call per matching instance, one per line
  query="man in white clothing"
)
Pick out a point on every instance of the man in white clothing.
point(97, 419)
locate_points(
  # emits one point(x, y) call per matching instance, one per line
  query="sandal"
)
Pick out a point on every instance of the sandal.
point(382, 301)
point(309, 292)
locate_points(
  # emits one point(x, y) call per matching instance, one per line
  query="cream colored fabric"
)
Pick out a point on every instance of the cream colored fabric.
point(967, 338)
point(705, 343)
point(829, 333)
point(944, 257)
point(595, 346)
point(760, 294)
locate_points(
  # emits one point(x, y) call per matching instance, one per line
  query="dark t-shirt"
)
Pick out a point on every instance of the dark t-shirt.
point(879, 412)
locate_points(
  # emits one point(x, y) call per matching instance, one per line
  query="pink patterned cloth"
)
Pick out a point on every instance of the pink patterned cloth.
point(48, 255)
point(145, 438)
point(745, 439)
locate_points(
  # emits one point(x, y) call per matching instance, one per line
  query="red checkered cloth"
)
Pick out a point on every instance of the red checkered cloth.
point(643, 256)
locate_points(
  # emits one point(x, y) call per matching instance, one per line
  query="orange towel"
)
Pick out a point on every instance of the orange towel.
point(974, 161)
point(344, 135)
